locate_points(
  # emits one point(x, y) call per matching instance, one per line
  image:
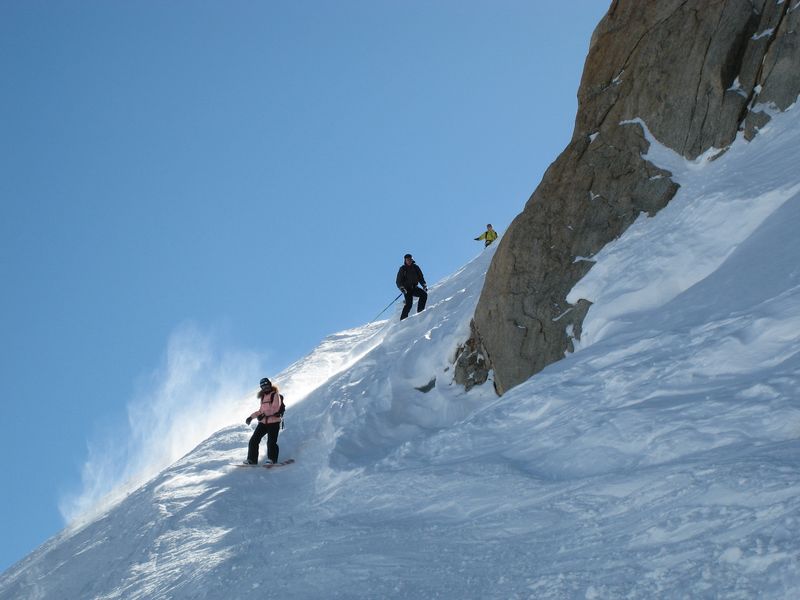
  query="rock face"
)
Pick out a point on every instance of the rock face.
point(696, 72)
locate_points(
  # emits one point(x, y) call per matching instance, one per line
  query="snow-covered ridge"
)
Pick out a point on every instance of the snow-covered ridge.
point(658, 461)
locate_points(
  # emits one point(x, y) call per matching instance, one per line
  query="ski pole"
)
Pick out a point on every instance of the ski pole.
point(385, 309)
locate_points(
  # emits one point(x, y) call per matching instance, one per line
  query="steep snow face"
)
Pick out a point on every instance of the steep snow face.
point(658, 461)
point(720, 204)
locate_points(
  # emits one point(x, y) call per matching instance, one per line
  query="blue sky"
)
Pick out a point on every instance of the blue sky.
point(250, 173)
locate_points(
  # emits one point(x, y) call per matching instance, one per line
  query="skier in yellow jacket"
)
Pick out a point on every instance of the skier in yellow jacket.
point(489, 235)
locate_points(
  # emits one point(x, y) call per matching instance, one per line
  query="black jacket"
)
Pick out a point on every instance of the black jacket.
point(410, 276)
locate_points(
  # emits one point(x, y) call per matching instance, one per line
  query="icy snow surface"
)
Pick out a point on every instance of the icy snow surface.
point(660, 460)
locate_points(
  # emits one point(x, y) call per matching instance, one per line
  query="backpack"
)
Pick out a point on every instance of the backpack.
point(281, 410)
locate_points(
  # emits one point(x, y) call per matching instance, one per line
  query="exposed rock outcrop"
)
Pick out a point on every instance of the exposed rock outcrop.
point(696, 72)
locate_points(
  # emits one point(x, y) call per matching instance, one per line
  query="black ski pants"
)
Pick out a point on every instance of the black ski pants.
point(409, 296)
point(271, 431)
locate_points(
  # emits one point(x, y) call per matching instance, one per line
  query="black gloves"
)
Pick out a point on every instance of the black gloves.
point(248, 419)
point(403, 290)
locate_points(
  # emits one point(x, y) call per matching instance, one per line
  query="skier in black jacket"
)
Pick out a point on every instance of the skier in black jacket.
point(409, 277)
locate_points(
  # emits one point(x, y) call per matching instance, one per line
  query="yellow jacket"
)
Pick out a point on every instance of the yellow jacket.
point(488, 235)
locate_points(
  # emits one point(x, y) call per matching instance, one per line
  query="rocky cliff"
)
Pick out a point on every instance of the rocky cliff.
point(697, 72)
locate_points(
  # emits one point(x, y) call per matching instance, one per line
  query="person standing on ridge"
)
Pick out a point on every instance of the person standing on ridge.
point(409, 277)
point(489, 235)
point(269, 423)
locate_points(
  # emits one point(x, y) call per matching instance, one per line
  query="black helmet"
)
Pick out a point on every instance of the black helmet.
point(408, 256)
point(265, 383)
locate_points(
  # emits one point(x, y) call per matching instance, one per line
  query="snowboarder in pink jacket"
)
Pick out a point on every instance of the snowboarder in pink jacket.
point(269, 423)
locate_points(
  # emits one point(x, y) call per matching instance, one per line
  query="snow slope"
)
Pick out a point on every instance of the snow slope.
point(661, 460)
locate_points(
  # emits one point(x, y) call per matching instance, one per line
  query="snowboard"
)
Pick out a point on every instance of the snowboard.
point(283, 463)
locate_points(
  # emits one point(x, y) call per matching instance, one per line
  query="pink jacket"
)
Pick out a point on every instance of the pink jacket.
point(270, 404)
